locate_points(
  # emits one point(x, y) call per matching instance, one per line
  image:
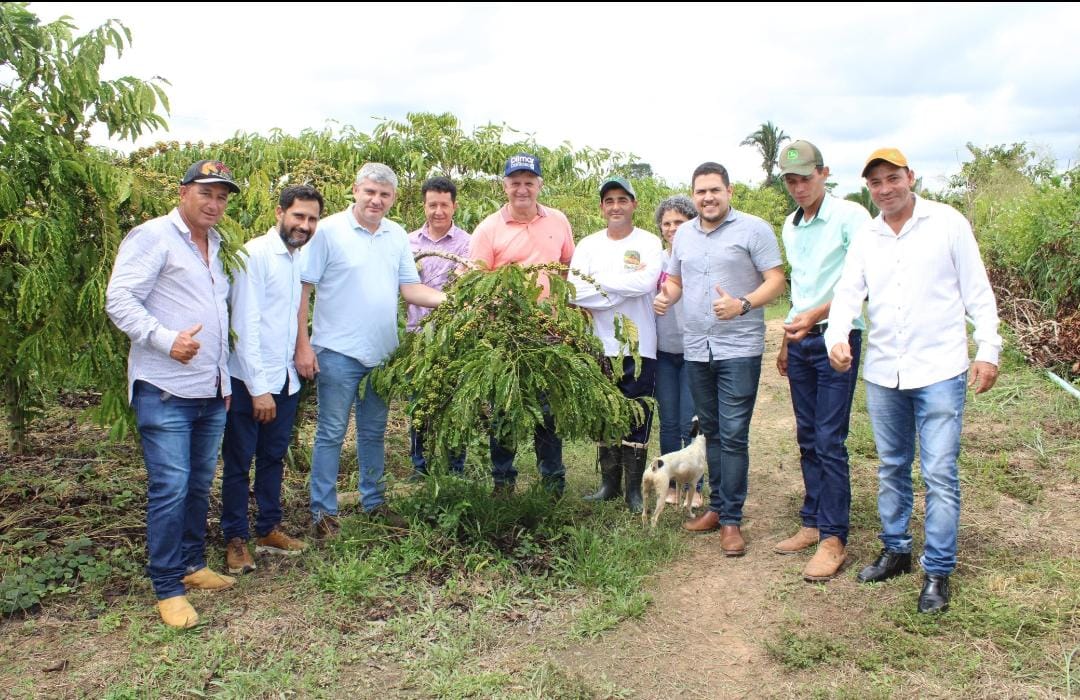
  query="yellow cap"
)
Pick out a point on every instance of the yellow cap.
point(889, 155)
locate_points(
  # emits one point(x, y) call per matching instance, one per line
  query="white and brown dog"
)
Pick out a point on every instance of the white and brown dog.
point(684, 467)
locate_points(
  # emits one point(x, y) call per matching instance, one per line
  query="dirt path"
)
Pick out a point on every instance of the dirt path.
point(705, 634)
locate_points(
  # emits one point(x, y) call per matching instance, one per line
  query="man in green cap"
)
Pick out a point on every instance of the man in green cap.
point(816, 238)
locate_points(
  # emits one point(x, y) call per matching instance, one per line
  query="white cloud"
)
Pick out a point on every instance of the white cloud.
point(675, 84)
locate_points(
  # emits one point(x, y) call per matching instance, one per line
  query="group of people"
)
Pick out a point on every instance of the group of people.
point(696, 305)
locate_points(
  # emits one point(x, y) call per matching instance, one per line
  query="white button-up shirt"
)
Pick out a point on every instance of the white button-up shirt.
point(920, 283)
point(264, 301)
point(161, 286)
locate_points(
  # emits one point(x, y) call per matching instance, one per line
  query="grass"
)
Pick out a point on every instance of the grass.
point(484, 598)
point(1014, 624)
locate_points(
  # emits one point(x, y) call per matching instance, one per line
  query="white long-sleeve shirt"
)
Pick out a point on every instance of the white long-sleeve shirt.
point(264, 301)
point(161, 286)
point(920, 284)
point(627, 270)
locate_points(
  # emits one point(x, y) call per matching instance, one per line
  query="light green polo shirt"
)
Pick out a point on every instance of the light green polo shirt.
point(816, 250)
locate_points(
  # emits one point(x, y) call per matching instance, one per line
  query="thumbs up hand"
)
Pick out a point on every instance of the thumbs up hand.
point(185, 346)
point(725, 306)
point(661, 303)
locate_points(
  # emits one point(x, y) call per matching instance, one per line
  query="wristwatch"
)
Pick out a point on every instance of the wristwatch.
point(746, 306)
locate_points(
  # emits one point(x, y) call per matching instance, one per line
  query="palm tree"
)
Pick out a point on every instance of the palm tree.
point(767, 140)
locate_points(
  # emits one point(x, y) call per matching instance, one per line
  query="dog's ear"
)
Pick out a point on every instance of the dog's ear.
point(695, 428)
point(659, 464)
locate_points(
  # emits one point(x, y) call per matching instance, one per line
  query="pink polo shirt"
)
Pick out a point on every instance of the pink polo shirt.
point(500, 240)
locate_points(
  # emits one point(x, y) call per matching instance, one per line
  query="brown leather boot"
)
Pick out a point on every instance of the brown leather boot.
point(732, 543)
point(706, 522)
point(237, 557)
point(827, 561)
point(805, 538)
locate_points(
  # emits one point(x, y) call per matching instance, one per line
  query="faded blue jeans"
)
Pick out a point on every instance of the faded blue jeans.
point(180, 441)
point(674, 401)
point(724, 394)
point(338, 382)
point(935, 413)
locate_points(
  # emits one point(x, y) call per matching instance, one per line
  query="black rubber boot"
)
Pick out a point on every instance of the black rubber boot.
point(634, 462)
point(610, 475)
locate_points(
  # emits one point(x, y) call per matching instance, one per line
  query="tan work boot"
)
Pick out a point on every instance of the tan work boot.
point(206, 579)
point(803, 539)
point(237, 557)
point(827, 561)
point(177, 612)
point(277, 542)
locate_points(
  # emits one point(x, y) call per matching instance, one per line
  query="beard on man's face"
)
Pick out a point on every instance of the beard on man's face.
point(294, 236)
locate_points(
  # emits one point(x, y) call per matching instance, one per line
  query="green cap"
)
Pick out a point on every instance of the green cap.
point(800, 158)
point(620, 182)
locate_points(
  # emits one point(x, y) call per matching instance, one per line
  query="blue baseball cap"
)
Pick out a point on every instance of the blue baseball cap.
point(522, 161)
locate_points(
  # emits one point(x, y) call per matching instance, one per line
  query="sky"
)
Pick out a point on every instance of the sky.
point(674, 84)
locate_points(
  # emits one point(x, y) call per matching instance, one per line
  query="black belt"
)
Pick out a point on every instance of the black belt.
point(819, 329)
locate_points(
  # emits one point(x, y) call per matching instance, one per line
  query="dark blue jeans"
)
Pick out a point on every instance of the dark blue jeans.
point(549, 462)
point(180, 441)
point(724, 393)
point(420, 464)
point(821, 397)
point(674, 401)
point(267, 443)
point(644, 384)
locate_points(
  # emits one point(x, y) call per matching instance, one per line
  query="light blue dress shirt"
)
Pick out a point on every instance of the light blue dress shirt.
point(161, 286)
point(357, 275)
point(816, 250)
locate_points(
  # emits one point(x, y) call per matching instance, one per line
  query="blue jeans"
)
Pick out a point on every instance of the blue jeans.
point(267, 443)
point(338, 382)
point(420, 464)
point(674, 401)
point(180, 441)
point(821, 397)
point(548, 447)
point(724, 393)
point(935, 413)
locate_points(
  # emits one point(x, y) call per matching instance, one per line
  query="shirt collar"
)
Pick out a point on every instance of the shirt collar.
point(731, 216)
point(508, 217)
point(276, 244)
point(181, 225)
point(823, 212)
point(449, 234)
point(919, 212)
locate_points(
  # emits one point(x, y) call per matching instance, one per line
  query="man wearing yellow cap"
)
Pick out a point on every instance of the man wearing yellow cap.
point(817, 236)
point(920, 266)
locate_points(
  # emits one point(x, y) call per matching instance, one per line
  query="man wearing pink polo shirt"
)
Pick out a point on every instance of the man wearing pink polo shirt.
point(525, 233)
